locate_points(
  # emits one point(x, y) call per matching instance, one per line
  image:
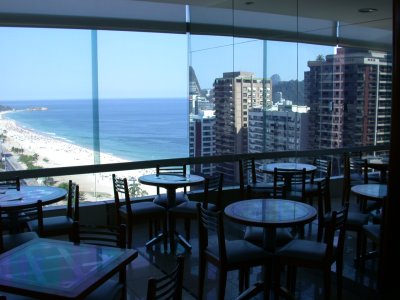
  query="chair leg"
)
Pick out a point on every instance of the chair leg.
point(320, 231)
point(277, 279)
point(171, 232)
point(129, 232)
point(202, 275)
point(267, 274)
point(359, 244)
point(339, 278)
point(242, 275)
point(187, 229)
point(165, 230)
point(244, 279)
point(291, 278)
point(327, 284)
point(222, 283)
point(150, 229)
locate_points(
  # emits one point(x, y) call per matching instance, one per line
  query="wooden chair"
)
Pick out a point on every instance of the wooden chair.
point(250, 185)
point(226, 255)
point(353, 173)
point(113, 288)
point(371, 232)
point(255, 235)
point(168, 286)
point(322, 173)
point(315, 255)
point(161, 198)
point(356, 172)
point(295, 183)
point(14, 183)
point(188, 210)
point(130, 211)
point(59, 225)
point(355, 220)
point(13, 217)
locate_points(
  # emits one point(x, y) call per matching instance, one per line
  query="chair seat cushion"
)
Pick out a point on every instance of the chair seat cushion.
point(255, 235)
point(356, 218)
point(261, 186)
point(373, 231)
point(13, 240)
point(240, 252)
point(374, 176)
point(162, 199)
point(144, 208)
point(309, 188)
point(57, 224)
point(356, 178)
point(112, 289)
point(303, 250)
point(189, 207)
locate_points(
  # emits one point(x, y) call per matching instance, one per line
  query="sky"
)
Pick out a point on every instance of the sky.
point(42, 64)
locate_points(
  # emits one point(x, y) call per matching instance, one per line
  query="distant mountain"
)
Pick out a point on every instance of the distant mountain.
point(290, 91)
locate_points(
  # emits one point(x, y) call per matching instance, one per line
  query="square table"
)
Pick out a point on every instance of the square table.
point(54, 269)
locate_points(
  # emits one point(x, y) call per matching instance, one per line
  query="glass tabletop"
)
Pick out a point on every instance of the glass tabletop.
point(270, 212)
point(58, 268)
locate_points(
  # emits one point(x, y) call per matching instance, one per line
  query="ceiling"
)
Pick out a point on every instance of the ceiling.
point(335, 10)
point(333, 22)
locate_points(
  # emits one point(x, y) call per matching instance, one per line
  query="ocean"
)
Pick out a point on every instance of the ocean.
point(132, 129)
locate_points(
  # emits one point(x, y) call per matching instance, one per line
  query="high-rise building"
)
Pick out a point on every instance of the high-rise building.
point(280, 127)
point(202, 140)
point(234, 94)
point(349, 94)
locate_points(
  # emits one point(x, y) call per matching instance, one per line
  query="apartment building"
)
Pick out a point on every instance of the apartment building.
point(281, 127)
point(349, 94)
point(202, 140)
point(234, 95)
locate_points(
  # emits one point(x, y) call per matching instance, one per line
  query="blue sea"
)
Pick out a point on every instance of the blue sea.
point(132, 129)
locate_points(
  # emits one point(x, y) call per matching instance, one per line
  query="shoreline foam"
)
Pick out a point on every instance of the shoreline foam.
point(54, 152)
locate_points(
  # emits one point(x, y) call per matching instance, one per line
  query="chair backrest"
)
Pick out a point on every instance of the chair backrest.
point(15, 218)
point(73, 201)
point(352, 164)
point(121, 196)
point(113, 236)
point(324, 169)
point(171, 170)
point(213, 184)
point(247, 170)
point(13, 183)
point(211, 222)
point(279, 189)
point(335, 230)
point(324, 199)
point(168, 286)
point(247, 173)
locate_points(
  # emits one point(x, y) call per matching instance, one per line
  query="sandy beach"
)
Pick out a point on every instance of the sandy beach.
point(53, 152)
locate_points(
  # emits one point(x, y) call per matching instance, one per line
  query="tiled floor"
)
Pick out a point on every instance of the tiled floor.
point(152, 262)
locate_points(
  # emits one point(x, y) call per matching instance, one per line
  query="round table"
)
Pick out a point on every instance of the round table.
point(378, 163)
point(11, 198)
point(270, 214)
point(370, 191)
point(170, 183)
point(269, 168)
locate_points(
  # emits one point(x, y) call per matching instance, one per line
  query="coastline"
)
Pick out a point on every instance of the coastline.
point(53, 152)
